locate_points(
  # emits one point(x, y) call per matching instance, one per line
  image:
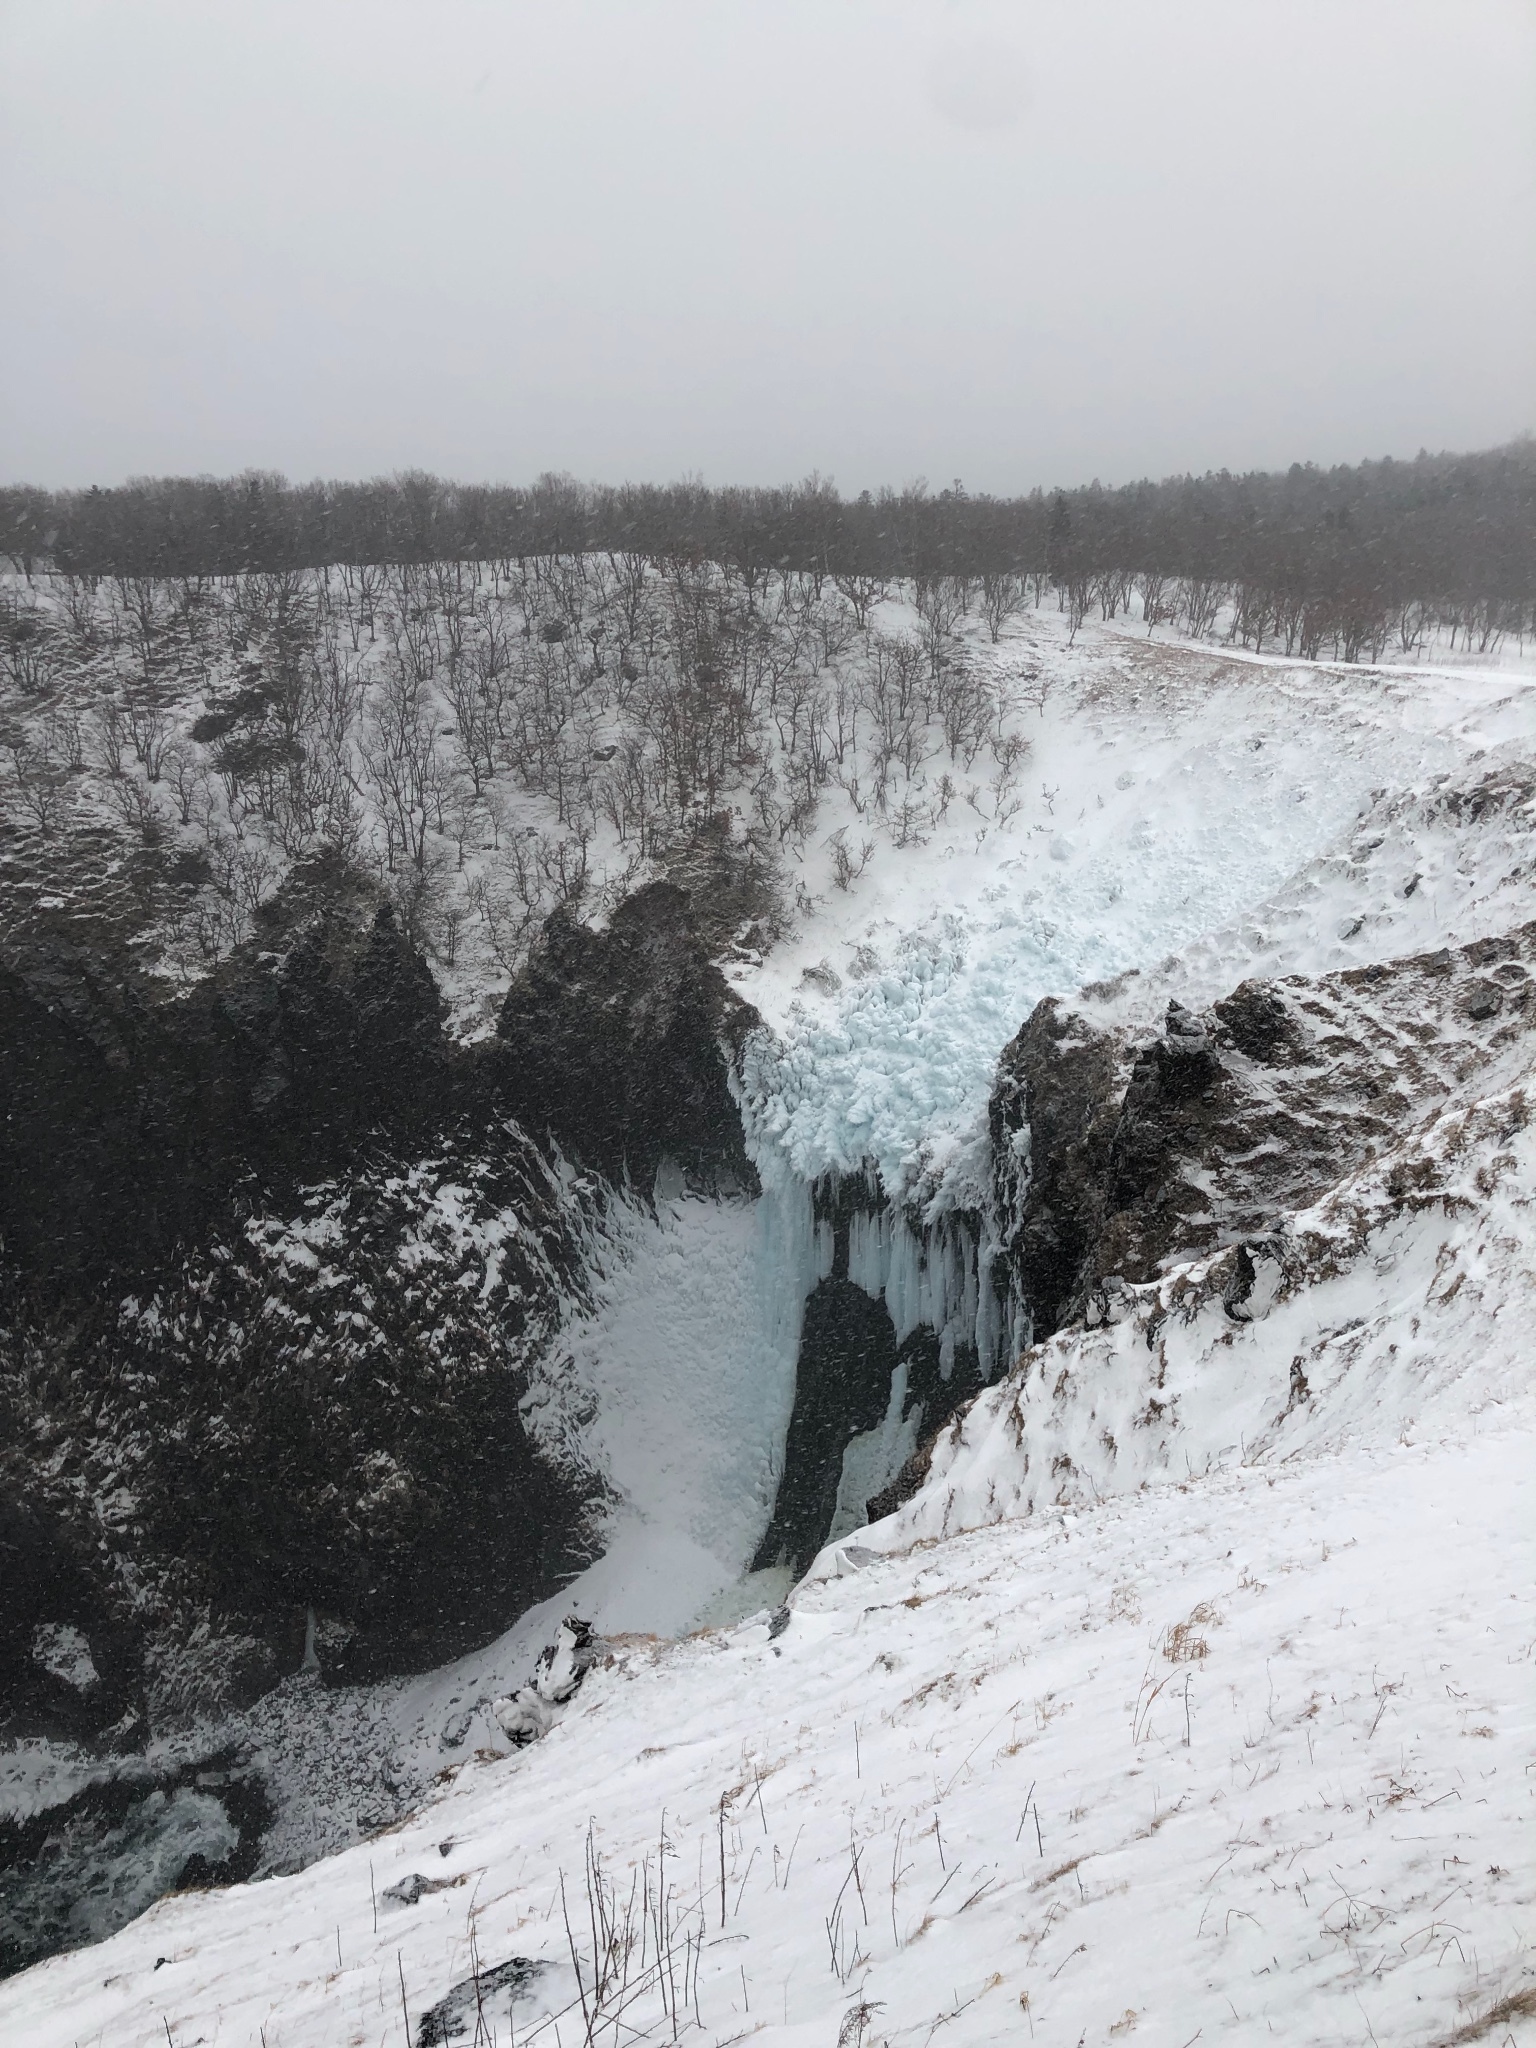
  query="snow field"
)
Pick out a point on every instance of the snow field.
point(673, 1381)
point(673, 1384)
point(1239, 1759)
point(1229, 1738)
point(678, 1384)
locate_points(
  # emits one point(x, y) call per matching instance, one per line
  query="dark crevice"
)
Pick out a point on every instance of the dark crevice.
point(842, 1388)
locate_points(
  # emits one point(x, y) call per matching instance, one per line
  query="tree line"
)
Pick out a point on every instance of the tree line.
point(1355, 560)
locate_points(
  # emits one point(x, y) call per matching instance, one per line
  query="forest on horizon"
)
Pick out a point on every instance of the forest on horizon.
point(1352, 543)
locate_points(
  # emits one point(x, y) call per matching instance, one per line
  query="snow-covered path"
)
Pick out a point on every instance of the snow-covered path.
point(969, 1788)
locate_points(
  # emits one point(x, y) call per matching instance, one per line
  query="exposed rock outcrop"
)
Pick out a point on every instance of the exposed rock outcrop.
point(1054, 1107)
point(317, 1409)
point(279, 1259)
point(842, 1388)
point(131, 1114)
point(612, 1043)
point(1227, 1122)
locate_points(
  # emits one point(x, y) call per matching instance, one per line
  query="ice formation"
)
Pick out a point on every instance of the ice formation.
point(1207, 821)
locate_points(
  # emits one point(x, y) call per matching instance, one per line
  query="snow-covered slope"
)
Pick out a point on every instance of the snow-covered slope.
point(1191, 1696)
point(1241, 1759)
point(1397, 1306)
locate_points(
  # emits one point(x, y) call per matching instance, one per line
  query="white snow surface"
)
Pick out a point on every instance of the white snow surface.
point(1211, 1722)
point(1312, 1824)
point(1403, 1318)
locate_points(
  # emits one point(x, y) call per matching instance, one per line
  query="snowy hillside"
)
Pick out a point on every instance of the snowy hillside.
point(1183, 1690)
point(1237, 1760)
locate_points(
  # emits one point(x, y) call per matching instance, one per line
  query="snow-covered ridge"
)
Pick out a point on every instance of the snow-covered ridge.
point(1238, 1758)
point(1396, 1306)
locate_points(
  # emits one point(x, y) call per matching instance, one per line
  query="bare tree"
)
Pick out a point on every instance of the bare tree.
point(1200, 600)
point(400, 758)
point(863, 593)
point(847, 866)
point(1002, 598)
point(110, 732)
point(1077, 591)
point(41, 779)
point(149, 728)
point(27, 644)
point(1155, 608)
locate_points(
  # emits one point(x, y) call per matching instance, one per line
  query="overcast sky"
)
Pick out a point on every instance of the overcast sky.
point(1013, 243)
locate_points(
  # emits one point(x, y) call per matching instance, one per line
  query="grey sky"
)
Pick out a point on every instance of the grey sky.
point(1015, 243)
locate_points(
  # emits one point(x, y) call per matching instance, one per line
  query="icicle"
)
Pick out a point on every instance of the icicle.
point(903, 1287)
point(826, 1248)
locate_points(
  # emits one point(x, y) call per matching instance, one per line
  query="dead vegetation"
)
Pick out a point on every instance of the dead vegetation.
point(490, 740)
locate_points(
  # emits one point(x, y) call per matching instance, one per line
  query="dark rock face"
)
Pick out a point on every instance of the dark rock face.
point(277, 1267)
point(130, 1117)
point(318, 1408)
point(612, 1043)
point(277, 1260)
point(1052, 1115)
point(348, 1434)
point(1228, 1122)
point(56, 1602)
point(842, 1386)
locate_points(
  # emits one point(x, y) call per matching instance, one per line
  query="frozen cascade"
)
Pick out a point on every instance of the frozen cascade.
point(941, 1275)
point(1204, 844)
point(938, 1277)
point(864, 1397)
point(676, 1384)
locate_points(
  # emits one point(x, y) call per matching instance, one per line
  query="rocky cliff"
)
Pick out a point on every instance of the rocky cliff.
point(279, 1259)
point(1142, 1150)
